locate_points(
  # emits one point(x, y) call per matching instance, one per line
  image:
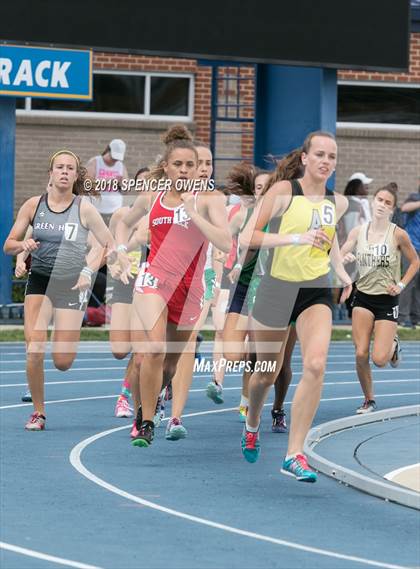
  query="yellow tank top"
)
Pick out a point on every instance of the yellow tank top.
point(379, 264)
point(298, 263)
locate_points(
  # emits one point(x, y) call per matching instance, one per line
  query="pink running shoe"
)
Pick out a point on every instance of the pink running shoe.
point(134, 431)
point(36, 422)
point(122, 408)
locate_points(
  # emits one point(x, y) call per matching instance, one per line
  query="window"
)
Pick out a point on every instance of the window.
point(169, 96)
point(379, 104)
point(111, 94)
point(136, 94)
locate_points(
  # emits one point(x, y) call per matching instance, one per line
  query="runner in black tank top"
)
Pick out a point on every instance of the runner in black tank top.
point(61, 274)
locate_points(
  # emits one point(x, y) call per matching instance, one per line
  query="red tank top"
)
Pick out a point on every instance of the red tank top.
point(177, 247)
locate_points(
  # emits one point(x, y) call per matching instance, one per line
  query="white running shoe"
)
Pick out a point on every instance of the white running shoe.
point(122, 408)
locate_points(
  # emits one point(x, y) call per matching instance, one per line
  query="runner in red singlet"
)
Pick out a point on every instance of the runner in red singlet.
point(169, 289)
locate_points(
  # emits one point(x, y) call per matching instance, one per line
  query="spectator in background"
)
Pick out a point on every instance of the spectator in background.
point(109, 167)
point(361, 194)
point(410, 297)
point(355, 214)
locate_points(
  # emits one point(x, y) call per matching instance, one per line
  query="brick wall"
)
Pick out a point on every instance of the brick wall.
point(384, 155)
point(38, 137)
point(381, 154)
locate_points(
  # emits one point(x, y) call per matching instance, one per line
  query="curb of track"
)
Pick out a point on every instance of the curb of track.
point(386, 490)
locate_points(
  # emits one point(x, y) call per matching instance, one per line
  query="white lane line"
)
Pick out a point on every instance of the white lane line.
point(75, 460)
point(45, 557)
point(330, 383)
point(122, 368)
point(17, 405)
point(394, 473)
point(111, 359)
point(296, 359)
point(198, 378)
point(73, 382)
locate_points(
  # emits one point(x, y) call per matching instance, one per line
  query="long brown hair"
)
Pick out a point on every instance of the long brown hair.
point(241, 179)
point(287, 168)
point(290, 166)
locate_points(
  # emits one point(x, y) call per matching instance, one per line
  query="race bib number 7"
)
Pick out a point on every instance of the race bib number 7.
point(70, 231)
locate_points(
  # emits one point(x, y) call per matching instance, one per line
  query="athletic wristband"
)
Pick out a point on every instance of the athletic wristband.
point(238, 266)
point(122, 248)
point(401, 285)
point(295, 238)
point(87, 272)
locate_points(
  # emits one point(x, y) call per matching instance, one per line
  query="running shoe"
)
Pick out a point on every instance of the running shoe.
point(279, 421)
point(36, 422)
point(145, 435)
point(215, 392)
point(134, 430)
point(396, 356)
point(297, 466)
point(27, 396)
point(159, 412)
point(250, 445)
point(122, 408)
point(367, 406)
point(243, 412)
point(175, 430)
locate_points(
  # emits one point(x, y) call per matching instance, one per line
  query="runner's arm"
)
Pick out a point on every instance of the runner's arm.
point(404, 243)
point(215, 228)
point(15, 243)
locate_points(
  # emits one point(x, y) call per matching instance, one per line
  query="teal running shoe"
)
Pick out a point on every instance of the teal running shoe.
point(297, 466)
point(250, 444)
point(215, 392)
point(175, 430)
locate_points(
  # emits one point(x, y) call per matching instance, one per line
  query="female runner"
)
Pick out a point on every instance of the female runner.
point(296, 288)
point(377, 248)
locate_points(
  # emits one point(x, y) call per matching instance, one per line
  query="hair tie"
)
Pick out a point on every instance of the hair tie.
point(64, 151)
